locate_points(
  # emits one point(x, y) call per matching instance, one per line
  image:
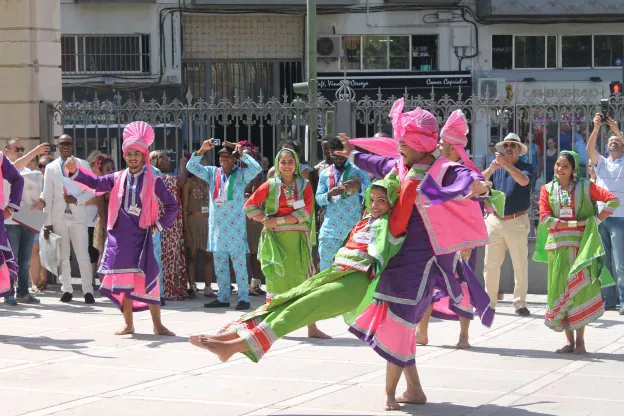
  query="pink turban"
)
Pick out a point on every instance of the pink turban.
point(454, 132)
point(137, 135)
point(417, 128)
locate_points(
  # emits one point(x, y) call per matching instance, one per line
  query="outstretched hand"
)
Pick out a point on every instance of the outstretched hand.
point(70, 165)
point(347, 147)
point(206, 146)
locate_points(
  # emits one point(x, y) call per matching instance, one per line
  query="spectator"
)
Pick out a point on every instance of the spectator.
point(95, 160)
point(227, 234)
point(534, 158)
point(38, 274)
point(511, 231)
point(491, 154)
point(565, 136)
point(195, 207)
point(20, 237)
point(174, 273)
point(65, 216)
point(327, 158)
point(610, 175)
point(551, 157)
point(266, 165)
point(340, 194)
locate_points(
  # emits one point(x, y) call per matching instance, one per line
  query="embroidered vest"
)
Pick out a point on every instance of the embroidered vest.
point(454, 225)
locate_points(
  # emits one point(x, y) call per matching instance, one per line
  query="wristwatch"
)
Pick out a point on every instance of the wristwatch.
point(572, 224)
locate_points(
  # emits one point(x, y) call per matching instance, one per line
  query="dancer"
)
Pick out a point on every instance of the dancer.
point(284, 204)
point(8, 264)
point(227, 230)
point(337, 290)
point(404, 290)
point(567, 208)
point(452, 142)
point(128, 265)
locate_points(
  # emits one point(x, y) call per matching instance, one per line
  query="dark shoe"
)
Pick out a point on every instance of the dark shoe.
point(162, 301)
point(621, 311)
point(242, 306)
point(610, 308)
point(89, 299)
point(67, 297)
point(523, 311)
point(217, 304)
point(10, 300)
point(29, 299)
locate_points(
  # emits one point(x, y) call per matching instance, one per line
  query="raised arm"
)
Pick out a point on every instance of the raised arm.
point(592, 153)
point(378, 166)
point(253, 167)
point(39, 150)
point(458, 182)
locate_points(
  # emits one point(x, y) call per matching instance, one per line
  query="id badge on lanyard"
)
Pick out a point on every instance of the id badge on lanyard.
point(566, 212)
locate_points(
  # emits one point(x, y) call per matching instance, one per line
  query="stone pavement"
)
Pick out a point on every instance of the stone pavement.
point(64, 359)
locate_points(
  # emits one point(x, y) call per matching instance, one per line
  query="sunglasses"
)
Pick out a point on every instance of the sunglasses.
point(511, 145)
point(42, 165)
point(17, 149)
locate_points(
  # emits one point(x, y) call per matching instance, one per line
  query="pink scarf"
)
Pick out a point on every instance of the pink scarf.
point(137, 135)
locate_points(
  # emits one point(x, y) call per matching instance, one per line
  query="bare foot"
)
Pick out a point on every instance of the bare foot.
point(413, 397)
point(391, 404)
point(225, 336)
point(463, 343)
point(218, 348)
point(127, 330)
point(580, 348)
point(162, 330)
point(567, 349)
point(421, 339)
point(314, 332)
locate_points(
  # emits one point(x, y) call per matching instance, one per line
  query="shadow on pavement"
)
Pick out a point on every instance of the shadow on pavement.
point(513, 352)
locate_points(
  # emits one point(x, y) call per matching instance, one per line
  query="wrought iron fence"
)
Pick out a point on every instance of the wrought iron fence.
point(182, 125)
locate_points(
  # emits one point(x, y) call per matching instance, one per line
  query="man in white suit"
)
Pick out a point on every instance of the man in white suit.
point(65, 216)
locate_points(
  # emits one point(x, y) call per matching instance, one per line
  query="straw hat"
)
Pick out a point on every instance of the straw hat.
point(514, 138)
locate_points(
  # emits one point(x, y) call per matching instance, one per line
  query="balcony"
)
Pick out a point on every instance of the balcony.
point(552, 11)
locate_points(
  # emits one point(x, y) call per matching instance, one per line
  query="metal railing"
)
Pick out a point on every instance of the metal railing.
point(180, 126)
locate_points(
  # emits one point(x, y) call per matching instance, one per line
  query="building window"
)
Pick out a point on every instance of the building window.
point(375, 53)
point(103, 54)
point(502, 51)
point(608, 50)
point(424, 53)
point(576, 51)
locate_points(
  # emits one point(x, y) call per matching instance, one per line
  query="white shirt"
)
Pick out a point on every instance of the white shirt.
point(610, 175)
point(31, 191)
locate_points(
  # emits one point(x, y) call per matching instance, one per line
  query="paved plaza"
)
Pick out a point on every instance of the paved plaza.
point(64, 360)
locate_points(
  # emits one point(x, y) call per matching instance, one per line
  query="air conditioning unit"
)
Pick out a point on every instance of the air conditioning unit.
point(328, 46)
point(491, 88)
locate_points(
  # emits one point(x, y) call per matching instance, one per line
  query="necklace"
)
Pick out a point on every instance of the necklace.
point(565, 195)
point(289, 191)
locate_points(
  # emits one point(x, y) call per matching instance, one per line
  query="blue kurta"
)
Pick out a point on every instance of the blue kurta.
point(226, 222)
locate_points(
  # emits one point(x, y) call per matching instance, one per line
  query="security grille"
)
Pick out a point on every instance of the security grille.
point(105, 54)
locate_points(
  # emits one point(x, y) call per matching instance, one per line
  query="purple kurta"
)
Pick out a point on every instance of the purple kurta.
point(407, 284)
point(8, 274)
point(129, 248)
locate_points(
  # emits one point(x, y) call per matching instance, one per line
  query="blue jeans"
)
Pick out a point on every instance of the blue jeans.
point(612, 234)
point(21, 239)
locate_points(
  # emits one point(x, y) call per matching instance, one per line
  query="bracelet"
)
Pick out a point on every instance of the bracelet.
point(572, 224)
point(281, 220)
point(598, 221)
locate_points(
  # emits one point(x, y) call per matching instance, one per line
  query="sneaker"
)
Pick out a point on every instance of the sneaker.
point(67, 297)
point(29, 299)
point(523, 311)
point(242, 305)
point(10, 300)
point(89, 299)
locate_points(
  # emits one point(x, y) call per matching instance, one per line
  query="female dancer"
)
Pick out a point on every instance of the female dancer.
point(337, 290)
point(574, 251)
point(285, 205)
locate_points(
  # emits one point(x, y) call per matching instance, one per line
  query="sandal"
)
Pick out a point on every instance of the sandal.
point(209, 293)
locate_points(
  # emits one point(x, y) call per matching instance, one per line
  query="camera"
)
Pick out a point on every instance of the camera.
point(216, 142)
point(604, 108)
